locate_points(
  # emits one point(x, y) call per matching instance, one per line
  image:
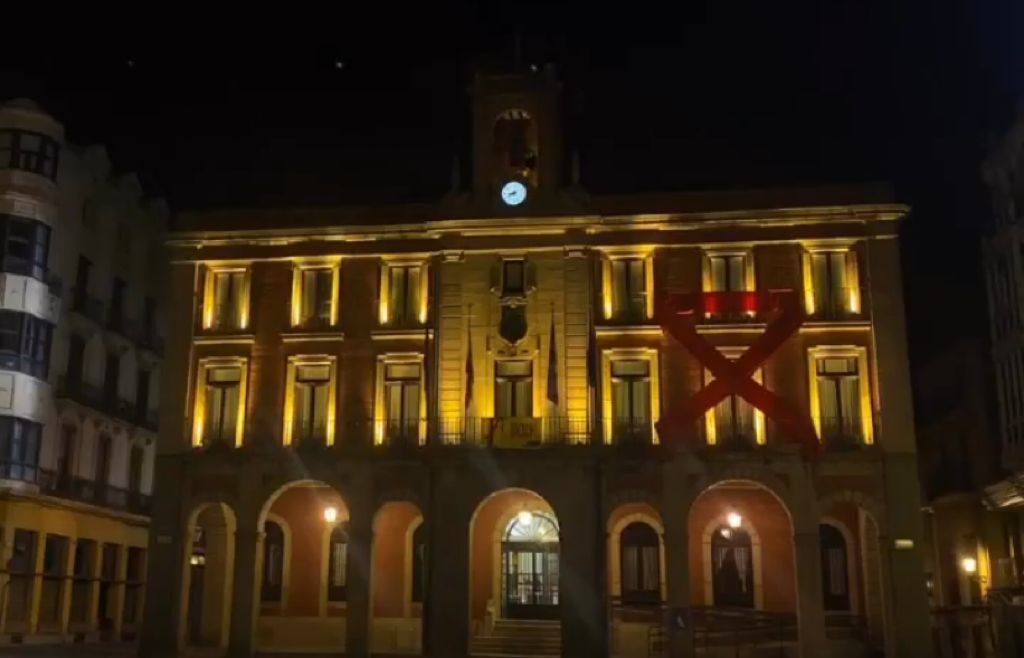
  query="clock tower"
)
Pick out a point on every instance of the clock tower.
point(517, 138)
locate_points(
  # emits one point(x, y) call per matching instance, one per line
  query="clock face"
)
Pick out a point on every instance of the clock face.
point(513, 193)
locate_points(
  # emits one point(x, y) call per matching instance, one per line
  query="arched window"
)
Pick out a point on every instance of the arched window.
point(512, 137)
point(533, 527)
point(273, 562)
point(732, 568)
point(640, 564)
point(834, 571)
point(419, 566)
point(338, 563)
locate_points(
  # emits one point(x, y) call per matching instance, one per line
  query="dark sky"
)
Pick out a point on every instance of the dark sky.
point(709, 94)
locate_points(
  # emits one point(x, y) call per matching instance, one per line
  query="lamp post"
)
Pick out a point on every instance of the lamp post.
point(330, 514)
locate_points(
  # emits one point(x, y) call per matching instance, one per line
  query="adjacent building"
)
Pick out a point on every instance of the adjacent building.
point(526, 419)
point(80, 352)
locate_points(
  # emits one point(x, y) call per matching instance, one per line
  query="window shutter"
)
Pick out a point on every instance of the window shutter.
point(808, 277)
point(606, 287)
point(649, 284)
point(852, 282)
point(424, 292)
point(383, 292)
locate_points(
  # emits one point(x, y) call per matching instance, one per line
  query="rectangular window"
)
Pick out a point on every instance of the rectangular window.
point(831, 289)
point(19, 449)
point(727, 273)
point(222, 395)
point(629, 289)
point(117, 303)
point(26, 246)
point(631, 400)
point(312, 395)
point(839, 399)
point(404, 294)
point(513, 277)
point(111, 379)
point(66, 457)
point(402, 401)
point(513, 389)
point(25, 343)
point(228, 290)
point(317, 294)
point(103, 454)
point(135, 469)
point(337, 567)
point(142, 393)
point(76, 358)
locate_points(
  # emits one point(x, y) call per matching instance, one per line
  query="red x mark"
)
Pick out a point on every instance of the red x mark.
point(783, 313)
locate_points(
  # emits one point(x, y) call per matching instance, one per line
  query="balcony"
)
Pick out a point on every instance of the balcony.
point(841, 433)
point(86, 306)
point(96, 398)
point(87, 491)
point(835, 305)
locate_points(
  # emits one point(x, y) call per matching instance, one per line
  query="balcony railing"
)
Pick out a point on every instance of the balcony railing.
point(88, 491)
point(835, 304)
point(96, 398)
point(838, 432)
point(86, 306)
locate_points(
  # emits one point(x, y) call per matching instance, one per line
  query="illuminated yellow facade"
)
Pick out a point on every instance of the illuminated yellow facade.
point(486, 372)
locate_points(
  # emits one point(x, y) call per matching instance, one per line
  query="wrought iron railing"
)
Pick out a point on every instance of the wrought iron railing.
point(96, 398)
point(841, 432)
point(87, 306)
point(89, 491)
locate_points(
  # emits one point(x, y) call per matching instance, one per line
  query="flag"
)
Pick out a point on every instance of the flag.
point(552, 365)
point(469, 367)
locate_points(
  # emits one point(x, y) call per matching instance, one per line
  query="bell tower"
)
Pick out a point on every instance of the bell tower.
point(517, 140)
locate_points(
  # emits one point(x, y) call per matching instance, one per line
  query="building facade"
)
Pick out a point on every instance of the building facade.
point(476, 426)
point(79, 363)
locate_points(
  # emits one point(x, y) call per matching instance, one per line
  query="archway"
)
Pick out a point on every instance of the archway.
point(851, 572)
point(398, 570)
point(208, 577)
point(303, 569)
point(514, 559)
point(742, 566)
point(636, 576)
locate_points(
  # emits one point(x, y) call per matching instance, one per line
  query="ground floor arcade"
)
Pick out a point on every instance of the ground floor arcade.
point(680, 558)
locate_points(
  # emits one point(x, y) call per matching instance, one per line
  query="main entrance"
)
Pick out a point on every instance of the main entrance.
point(529, 559)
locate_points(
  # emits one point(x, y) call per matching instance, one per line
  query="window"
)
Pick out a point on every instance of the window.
point(142, 393)
point(19, 448)
point(22, 565)
point(227, 299)
point(25, 343)
point(316, 296)
point(631, 400)
point(629, 289)
point(727, 273)
point(640, 564)
point(117, 304)
point(512, 130)
point(76, 358)
point(839, 399)
point(222, 388)
point(66, 456)
point(82, 270)
point(732, 569)
point(513, 389)
point(135, 465)
point(149, 318)
point(404, 295)
point(419, 564)
point(834, 574)
point(26, 246)
point(312, 395)
point(833, 282)
point(134, 577)
point(338, 564)
point(111, 379)
point(402, 402)
point(103, 454)
point(513, 277)
point(29, 151)
point(273, 563)
point(734, 421)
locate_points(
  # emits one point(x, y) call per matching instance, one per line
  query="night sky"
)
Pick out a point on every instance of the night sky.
point(713, 94)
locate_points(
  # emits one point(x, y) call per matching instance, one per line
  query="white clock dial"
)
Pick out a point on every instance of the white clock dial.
point(513, 193)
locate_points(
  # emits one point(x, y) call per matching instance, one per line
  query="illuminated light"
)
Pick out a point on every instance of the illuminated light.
point(904, 544)
point(197, 560)
point(969, 565)
point(525, 517)
point(726, 532)
point(734, 520)
point(330, 514)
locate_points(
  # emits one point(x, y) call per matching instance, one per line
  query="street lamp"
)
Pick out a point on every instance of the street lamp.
point(969, 565)
point(734, 520)
point(525, 517)
point(330, 514)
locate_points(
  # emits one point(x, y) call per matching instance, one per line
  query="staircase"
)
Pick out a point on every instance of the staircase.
point(520, 638)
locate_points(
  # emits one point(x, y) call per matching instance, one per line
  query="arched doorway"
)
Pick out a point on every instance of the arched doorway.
point(732, 567)
point(529, 558)
point(639, 564)
point(208, 577)
point(304, 569)
point(397, 573)
point(835, 572)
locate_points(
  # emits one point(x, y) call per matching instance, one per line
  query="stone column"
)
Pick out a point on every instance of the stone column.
point(117, 590)
point(92, 616)
point(357, 576)
point(244, 599)
point(446, 613)
point(582, 604)
point(37, 584)
point(676, 502)
point(810, 605)
point(67, 584)
point(169, 547)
